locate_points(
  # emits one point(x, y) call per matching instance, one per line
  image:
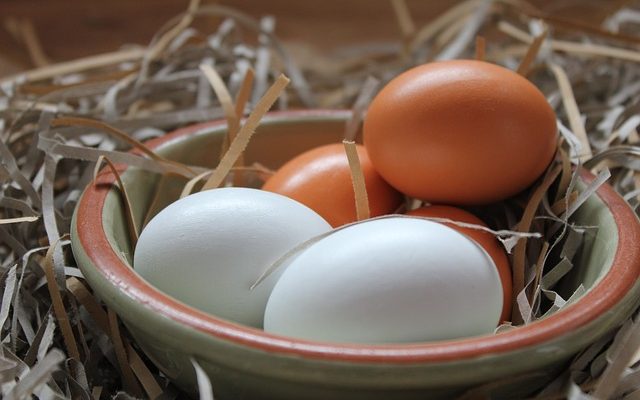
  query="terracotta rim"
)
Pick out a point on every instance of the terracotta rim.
point(608, 292)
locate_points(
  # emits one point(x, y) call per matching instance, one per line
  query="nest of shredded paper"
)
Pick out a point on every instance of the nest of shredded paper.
point(59, 122)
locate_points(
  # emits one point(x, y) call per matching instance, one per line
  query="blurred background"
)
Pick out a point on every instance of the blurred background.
point(38, 32)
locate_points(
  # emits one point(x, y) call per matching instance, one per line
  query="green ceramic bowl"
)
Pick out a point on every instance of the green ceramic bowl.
point(246, 363)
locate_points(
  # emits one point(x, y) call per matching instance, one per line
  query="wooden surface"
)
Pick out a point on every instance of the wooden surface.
point(70, 29)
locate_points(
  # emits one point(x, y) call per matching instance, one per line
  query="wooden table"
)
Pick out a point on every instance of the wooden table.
point(70, 29)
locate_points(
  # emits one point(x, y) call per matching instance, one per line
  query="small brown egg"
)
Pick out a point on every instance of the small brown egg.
point(321, 179)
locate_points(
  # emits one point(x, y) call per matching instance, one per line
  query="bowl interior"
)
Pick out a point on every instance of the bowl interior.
point(279, 139)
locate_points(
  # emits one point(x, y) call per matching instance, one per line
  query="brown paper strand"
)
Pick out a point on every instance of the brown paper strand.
point(157, 196)
point(44, 89)
point(222, 93)
point(243, 96)
point(84, 297)
point(532, 53)
point(96, 392)
point(58, 305)
point(36, 376)
point(128, 208)
point(405, 23)
point(446, 19)
point(82, 64)
point(77, 121)
point(149, 384)
point(164, 40)
point(539, 267)
point(357, 179)
point(481, 45)
point(580, 26)
point(587, 49)
point(130, 383)
point(607, 383)
point(403, 16)
point(248, 129)
point(561, 205)
point(571, 107)
point(524, 225)
point(26, 33)
point(567, 172)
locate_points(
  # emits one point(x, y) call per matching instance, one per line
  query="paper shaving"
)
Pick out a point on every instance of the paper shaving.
point(357, 180)
point(620, 360)
point(263, 57)
point(130, 217)
point(46, 340)
point(242, 139)
point(129, 380)
point(60, 69)
point(148, 382)
point(224, 97)
point(627, 384)
point(37, 376)
point(96, 392)
point(242, 98)
point(351, 130)
point(588, 73)
point(58, 305)
point(481, 45)
point(532, 53)
point(535, 284)
point(403, 16)
point(585, 49)
point(54, 253)
point(7, 295)
point(469, 30)
point(519, 256)
point(427, 32)
point(571, 108)
point(204, 384)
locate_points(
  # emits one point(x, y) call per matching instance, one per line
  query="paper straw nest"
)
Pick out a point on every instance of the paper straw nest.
point(59, 122)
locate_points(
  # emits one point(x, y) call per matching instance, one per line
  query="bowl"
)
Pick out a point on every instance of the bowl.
point(247, 363)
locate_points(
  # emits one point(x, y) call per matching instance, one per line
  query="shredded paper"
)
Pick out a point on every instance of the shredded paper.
point(61, 123)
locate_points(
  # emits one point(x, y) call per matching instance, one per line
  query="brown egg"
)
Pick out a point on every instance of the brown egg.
point(460, 132)
point(484, 239)
point(321, 179)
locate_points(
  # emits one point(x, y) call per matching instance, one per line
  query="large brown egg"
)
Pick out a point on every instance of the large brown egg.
point(460, 132)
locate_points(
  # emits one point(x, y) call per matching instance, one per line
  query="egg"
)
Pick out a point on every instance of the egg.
point(321, 179)
point(460, 132)
point(208, 248)
point(485, 239)
point(388, 280)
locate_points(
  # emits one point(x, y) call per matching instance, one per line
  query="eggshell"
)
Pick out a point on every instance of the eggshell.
point(485, 239)
point(207, 249)
point(460, 132)
point(321, 179)
point(387, 280)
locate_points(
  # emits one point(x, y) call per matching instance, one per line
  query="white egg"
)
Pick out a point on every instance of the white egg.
point(208, 248)
point(387, 280)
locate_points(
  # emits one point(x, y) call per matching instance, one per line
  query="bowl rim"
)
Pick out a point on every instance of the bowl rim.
point(607, 292)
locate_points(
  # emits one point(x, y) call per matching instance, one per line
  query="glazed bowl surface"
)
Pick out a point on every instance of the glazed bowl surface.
point(247, 363)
